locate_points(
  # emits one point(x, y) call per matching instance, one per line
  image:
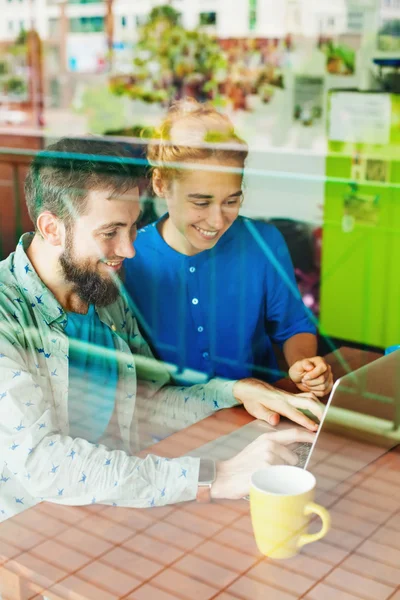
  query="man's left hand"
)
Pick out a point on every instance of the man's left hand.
point(263, 401)
point(312, 375)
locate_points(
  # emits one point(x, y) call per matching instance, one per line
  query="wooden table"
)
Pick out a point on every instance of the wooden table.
point(193, 551)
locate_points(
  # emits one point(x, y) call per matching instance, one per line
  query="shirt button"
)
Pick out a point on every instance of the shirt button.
point(200, 329)
point(205, 355)
point(195, 301)
point(192, 269)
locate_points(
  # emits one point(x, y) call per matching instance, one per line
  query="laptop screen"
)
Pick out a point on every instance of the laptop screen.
point(361, 424)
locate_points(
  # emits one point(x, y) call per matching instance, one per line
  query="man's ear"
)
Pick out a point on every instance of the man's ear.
point(50, 228)
point(159, 183)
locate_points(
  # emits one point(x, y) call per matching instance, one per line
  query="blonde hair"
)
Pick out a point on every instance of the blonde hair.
point(191, 132)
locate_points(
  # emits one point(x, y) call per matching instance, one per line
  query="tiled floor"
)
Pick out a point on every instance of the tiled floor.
point(206, 552)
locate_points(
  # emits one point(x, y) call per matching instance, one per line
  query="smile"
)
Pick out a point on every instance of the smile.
point(207, 234)
point(113, 264)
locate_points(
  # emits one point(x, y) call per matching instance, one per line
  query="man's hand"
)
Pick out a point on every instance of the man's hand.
point(312, 375)
point(234, 475)
point(266, 402)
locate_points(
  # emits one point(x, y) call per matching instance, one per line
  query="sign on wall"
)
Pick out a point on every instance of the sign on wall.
point(86, 53)
point(360, 117)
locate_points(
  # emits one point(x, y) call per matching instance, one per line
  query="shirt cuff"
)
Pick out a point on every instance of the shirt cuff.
point(190, 467)
point(227, 399)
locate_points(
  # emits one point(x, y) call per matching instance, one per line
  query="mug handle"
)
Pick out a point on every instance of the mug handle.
point(323, 514)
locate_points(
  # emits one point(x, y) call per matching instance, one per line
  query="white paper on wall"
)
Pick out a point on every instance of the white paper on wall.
point(360, 117)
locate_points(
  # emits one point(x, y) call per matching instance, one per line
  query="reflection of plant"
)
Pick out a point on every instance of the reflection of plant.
point(207, 18)
point(3, 67)
point(171, 61)
point(103, 110)
point(340, 58)
point(361, 208)
point(165, 12)
point(15, 85)
point(22, 38)
point(13, 68)
point(19, 47)
point(124, 86)
point(271, 76)
point(391, 27)
point(138, 131)
point(266, 91)
point(389, 35)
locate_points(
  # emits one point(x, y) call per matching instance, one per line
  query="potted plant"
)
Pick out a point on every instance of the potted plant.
point(171, 62)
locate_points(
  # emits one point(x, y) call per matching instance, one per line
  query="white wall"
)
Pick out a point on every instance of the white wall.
point(16, 12)
point(327, 17)
point(77, 10)
point(271, 19)
point(233, 20)
point(287, 184)
point(390, 9)
point(275, 18)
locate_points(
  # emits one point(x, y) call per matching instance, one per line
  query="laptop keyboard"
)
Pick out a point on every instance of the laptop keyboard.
point(231, 444)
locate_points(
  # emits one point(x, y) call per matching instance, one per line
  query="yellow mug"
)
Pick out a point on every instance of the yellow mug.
point(281, 502)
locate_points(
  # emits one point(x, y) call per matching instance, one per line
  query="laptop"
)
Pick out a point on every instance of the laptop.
point(361, 417)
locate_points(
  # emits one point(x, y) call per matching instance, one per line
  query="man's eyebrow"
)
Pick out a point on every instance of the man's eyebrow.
point(115, 195)
point(236, 194)
point(113, 224)
point(110, 225)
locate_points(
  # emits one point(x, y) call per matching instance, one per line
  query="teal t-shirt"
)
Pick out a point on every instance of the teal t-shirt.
point(93, 375)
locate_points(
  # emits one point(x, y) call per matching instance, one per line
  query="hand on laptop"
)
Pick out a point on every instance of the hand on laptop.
point(234, 475)
point(312, 375)
point(263, 401)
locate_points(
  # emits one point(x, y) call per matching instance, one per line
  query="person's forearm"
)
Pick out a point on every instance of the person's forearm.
point(73, 471)
point(176, 407)
point(302, 345)
point(249, 388)
point(98, 475)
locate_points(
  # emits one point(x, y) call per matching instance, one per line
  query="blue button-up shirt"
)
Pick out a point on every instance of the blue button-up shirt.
point(220, 311)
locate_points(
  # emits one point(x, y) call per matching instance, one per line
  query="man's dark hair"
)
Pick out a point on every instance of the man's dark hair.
point(61, 176)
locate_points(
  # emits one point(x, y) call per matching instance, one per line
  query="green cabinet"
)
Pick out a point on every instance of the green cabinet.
point(360, 278)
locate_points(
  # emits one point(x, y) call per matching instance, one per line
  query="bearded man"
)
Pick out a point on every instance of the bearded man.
point(71, 352)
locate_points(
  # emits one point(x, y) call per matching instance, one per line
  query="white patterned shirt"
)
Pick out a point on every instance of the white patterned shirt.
point(38, 458)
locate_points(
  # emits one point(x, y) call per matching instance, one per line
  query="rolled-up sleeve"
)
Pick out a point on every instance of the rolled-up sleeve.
point(286, 314)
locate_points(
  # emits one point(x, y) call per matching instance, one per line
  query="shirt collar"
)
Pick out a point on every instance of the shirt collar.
point(40, 296)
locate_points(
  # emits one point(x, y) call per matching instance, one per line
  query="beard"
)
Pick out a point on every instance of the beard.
point(89, 285)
